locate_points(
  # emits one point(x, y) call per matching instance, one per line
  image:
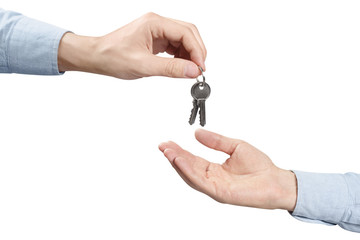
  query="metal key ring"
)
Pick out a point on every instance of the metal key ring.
point(202, 74)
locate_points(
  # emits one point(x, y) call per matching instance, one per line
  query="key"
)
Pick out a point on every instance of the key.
point(194, 111)
point(202, 112)
point(200, 91)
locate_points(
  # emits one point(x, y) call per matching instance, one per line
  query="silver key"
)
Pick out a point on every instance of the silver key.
point(200, 91)
point(194, 111)
point(202, 112)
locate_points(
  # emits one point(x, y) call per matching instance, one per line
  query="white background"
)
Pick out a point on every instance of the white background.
point(78, 152)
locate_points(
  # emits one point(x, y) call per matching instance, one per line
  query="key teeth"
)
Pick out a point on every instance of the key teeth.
point(193, 113)
point(191, 121)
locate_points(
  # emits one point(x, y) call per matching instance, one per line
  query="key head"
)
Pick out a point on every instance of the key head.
point(200, 91)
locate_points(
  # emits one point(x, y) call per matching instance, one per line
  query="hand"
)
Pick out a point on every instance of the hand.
point(130, 52)
point(246, 178)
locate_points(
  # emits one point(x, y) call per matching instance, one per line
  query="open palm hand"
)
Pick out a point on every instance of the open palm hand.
point(247, 178)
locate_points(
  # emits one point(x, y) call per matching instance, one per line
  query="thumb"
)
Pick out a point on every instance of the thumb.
point(216, 141)
point(172, 67)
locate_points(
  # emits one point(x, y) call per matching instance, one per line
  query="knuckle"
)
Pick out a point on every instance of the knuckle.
point(189, 30)
point(193, 26)
point(150, 15)
point(241, 143)
point(186, 30)
point(190, 25)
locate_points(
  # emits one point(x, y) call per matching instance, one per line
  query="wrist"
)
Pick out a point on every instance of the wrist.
point(287, 194)
point(77, 53)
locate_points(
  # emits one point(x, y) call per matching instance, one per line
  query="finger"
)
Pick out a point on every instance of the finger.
point(169, 144)
point(162, 146)
point(171, 150)
point(182, 53)
point(195, 169)
point(178, 150)
point(196, 33)
point(217, 141)
point(174, 31)
point(186, 180)
point(171, 155)
point(171, 50)
point(170, 67)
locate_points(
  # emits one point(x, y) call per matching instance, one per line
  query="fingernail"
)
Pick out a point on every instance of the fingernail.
point(204, 68)
point(191, 70)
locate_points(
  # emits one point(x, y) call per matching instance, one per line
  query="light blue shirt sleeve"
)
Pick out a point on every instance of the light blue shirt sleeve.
point(28, 46)
point(332, 199)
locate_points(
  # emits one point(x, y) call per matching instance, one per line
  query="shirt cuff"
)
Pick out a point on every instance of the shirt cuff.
point(33, 47)
point(322, 197)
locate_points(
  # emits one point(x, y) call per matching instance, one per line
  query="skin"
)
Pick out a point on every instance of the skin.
point(247, 178)
point(130, 51)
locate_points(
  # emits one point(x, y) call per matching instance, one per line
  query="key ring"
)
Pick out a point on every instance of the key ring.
point(203, 77)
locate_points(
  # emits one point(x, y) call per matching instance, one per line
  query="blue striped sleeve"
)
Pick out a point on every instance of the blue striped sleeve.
point(331, 199)
point(28, 46)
